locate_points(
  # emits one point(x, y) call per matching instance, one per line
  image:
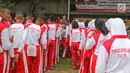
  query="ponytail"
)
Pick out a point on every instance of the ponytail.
point(104, 30)
point(100, 24)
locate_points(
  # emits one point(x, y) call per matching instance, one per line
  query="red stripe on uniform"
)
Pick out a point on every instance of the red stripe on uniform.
point(94, 61)
point(108, 43)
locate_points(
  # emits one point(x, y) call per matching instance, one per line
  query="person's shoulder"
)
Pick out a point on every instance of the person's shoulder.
point(27, 25)
point(44, 27)
point(107, 45)
point(97, 35)
point(1, 23)
point(2, 26)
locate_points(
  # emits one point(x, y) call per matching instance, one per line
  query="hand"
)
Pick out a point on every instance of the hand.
point(16, 57)
point(11, 39)
point(16, 60)
point(12, 67)
point(48, 41)
point(78, 53)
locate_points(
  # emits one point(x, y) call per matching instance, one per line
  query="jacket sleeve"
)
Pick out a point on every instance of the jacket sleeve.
point(43, 39)
point(59, 32)
point(90, 43)
point(101, 60)
point(82, 42)
point(6, 44)
point(66, 33)
point(23, 39)
point(11, 50)
point(70, 42)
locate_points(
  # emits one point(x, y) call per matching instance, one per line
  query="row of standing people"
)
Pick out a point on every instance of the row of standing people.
point(30, 47)
point(100, 47)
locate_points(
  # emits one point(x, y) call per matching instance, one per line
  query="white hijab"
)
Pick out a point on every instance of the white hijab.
point(108, 23)
point(81, 24)
point(117, 27)
point(91, 25)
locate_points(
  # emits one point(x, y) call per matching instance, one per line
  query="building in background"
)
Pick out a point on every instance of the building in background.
point(78, 8)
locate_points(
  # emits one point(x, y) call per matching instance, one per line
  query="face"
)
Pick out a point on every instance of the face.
point(64, 17)
point(61, 21)
point(6, 14)
point(63, 25)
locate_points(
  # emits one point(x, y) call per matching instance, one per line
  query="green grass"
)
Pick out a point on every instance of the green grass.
point(64, 66)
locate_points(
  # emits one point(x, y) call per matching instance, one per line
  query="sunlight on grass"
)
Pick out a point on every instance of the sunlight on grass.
point(64, 66)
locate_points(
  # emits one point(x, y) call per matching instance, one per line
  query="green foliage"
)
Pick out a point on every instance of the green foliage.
point(7, 3)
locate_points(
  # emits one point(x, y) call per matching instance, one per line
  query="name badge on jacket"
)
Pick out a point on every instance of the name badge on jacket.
point(31, 51)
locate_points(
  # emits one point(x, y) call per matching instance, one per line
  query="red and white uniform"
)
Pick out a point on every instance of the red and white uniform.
point(46, 52)
point(17, 31)
point(114, 55)
point(68, 29)
point(32, 41)
point(5, 46)
point(94, 43)
point(68, 50)
point(51, 34)
point(75, 37)
point(86, 54)
point(58, 37)
point(27, 24)
point(64, 43)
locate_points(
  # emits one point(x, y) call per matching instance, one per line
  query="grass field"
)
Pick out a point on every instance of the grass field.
point(64, 66)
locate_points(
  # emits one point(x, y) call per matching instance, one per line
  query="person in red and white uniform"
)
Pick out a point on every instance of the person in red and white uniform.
point(75, 37)
point(6, 41)
point(64, 40)
point(58, 38)
point(32, 42)
point(51, 35)
point(29, 19)
point(45, 50)
point(67, 36)
point(114, 55)
point(94, 42)
point(20, 57)
point(64, 18)
point(85, 54)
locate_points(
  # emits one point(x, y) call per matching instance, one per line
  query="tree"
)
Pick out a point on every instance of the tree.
point(7, 3)
point(36, 8)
